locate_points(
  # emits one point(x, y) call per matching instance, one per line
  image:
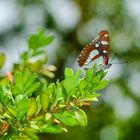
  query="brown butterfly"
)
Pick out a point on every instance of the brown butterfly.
point(98, 48)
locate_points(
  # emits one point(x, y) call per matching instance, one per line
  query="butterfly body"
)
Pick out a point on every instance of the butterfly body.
point(98, 48)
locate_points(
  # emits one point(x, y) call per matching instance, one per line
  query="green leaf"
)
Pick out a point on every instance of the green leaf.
point(70, 84)
point(68, 118)
point(2, 59)
point(33, 136)
point(96, 79)
point(39, 108)
point(94, 69)
point(37, 52)
point(38, 117)
point(59, 93)
point(39, 40)
point(32, 107)
point(48, 116)
point(78, 73)
point(101, 74)
point(50, 91)
point(32, 89)
point(83, 84)
point(12, 110)
point(26, 74)
point(50, 88)
point(30, 81)
point(44, 100)
point(92, 97)
point(16, 91)
point(101, 85)
point(19, 81)
point(5, 137)
point(22, 108)
point(3, 96)
point(19, 98)
point(54, 129)
point(68, 72)
point(25, 83)
point(25, 56)
point(81, 117)
point(89, 75)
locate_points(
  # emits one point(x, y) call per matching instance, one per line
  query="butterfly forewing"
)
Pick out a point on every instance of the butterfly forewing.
point(98, 50)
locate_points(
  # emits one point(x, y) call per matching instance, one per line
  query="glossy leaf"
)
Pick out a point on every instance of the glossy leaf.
point(54, 129)
point(44, 100)
point(101, 85)
point(32, 89)
point(59, 93)
point(81, 117)
point(12, 110)
point(32, 107)
point(68, 118)
point(92, 97)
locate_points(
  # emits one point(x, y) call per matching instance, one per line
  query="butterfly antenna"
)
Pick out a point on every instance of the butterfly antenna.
point(124, 62)
point(114, 56)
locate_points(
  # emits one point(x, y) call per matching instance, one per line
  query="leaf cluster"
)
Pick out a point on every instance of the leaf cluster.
point(29, 106)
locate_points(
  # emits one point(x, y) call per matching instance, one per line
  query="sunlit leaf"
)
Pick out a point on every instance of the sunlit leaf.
point(52, 129)
point(12, 110)
point(92, 97)
point(22, 108)
point(40, 40)
point(70, 83)
point(101, 85)
point(59, 93)
point(68, 72)
point(68, 118)
point(32, 107)
point(44, 98)
point(81, 117)
point(89, 75)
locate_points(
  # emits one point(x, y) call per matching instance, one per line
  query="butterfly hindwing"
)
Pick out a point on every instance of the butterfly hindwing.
point(86, 55)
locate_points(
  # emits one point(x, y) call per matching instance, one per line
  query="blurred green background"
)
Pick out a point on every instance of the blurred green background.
point(75, 23)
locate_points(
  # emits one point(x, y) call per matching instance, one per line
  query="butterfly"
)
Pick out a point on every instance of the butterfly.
point(98, 50)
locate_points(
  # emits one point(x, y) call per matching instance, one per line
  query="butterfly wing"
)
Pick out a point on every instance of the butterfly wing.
point(99, 48)
point(86, 55)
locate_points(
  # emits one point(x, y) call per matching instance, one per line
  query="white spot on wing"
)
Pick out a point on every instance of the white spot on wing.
point(104, 42)
point(96, 45)
point(86, 62)
point(104, 51)
point(106, 35)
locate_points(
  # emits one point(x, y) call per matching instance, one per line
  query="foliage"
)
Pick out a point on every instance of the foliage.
point(30, 105)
